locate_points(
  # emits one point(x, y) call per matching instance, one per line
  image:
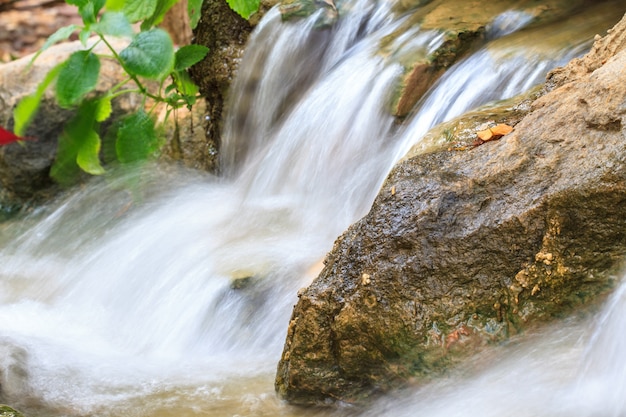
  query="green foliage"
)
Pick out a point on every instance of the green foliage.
point(150, 55)
point(161, 8)
point(113, 24)
point(136, 10)
point(27, 108)
point(78, 77)
point(78, 140)
point(136, 138)
point(188, 55)
point(194, 9)
point(245, 8)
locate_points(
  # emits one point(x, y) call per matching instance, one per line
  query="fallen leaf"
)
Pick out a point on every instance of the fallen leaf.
point(495, 132)
point(501, 129)
point(485, 135)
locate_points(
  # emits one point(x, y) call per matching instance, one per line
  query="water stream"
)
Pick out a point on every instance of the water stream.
point(161, 292)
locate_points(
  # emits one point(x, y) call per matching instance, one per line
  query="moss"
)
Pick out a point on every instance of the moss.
point(6, 411)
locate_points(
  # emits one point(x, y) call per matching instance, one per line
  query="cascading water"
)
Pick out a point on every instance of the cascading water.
point(173, 297)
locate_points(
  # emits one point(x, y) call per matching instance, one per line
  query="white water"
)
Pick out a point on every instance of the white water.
point(118, 301)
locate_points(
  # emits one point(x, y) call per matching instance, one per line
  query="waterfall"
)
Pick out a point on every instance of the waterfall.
point(161, 292)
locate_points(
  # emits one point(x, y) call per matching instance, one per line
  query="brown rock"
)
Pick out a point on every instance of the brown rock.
point(461, 249)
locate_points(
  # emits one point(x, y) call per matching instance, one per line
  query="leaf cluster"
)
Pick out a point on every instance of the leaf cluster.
point(149, 56)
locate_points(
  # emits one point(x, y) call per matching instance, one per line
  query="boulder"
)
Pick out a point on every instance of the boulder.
point(467, 248)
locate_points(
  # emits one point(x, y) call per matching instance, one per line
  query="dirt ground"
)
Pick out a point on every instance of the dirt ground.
point(26, 24)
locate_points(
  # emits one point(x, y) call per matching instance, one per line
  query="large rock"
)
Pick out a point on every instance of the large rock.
point(466, 248)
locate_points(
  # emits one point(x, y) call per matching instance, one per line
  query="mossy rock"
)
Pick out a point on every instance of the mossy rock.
point(6, 411)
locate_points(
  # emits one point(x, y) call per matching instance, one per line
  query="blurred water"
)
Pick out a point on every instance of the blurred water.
point(157, 292)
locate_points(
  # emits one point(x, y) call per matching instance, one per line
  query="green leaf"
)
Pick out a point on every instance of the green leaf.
point(64, 170)
point(58, 36)
point(84, 36)
point(150, 54)
point(184, 84)
point(103, 109)
point(98, 5)
point(78, 77)
point(189, 55)
point(27, 108)
point(114, 5)
point(88, 157)
point(80, 128)
point(194, 10)
point(159, 12)
point(78, 3)
point(25, 112)
point(244, 7)
point(136, 10)
point(88, 13)
point(113, 24)
point(136, 138)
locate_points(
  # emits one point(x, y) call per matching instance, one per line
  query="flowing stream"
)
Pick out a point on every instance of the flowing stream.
point(161, 292)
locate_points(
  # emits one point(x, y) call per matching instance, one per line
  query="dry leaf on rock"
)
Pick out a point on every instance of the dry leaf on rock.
point(495, 132)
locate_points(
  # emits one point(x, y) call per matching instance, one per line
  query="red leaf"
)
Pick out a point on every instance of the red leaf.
point(7, 137)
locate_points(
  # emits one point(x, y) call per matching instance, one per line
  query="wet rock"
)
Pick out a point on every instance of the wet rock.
point(327, 11)
point(187, 141)
point(464, 26)
point(225, 33)
point(467, 248)
point(14, 378)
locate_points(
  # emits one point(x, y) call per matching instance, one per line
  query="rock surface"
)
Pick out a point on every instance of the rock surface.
point(466, 248)
point(465, 25)
point(14, 378)
point(225, 33)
